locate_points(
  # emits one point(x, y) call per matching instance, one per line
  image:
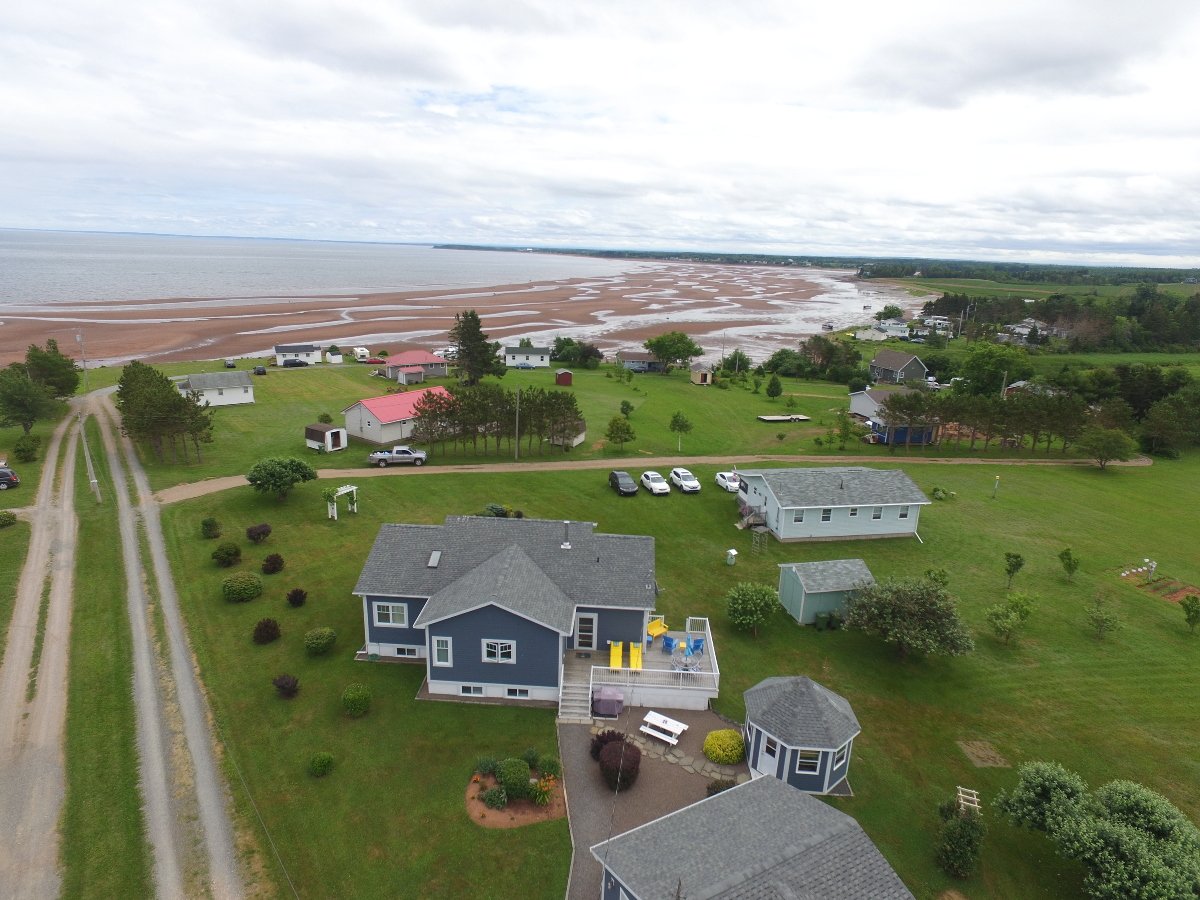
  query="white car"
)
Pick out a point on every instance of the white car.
point(729, 481)
point(655, 483)
point(685, 481)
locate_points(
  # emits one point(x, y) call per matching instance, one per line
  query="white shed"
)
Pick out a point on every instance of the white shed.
point(327, 438)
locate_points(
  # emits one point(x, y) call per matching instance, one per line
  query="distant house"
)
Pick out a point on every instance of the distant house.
point(639, 361)
point(527, 357)
point(892, 328)
point(219, 388)
point(310, 353)
point(433, 366)
point(871, 334)
point(761, 839)
point(894, 367)
point(808, 589)
point(388, 419)
point(701, 373)
point(831, 504)
point(867, 405)
point(326, 438)
point(404, 374)
point(801, 733)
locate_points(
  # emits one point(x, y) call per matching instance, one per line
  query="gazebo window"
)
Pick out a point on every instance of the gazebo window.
point(839, 758)
point(808, 761)
point(771, 747)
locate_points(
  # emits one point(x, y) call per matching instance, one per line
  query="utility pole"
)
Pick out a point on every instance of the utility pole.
point(83, 355)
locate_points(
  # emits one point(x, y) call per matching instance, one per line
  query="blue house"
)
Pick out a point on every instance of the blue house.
point(491, 606)
point(760, 839)
point(800, 732)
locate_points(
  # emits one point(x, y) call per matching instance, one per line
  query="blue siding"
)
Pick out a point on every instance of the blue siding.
point(814, 782)
point(614, 892)
point(385, 634)
point(538, 649)
point(617, 625)
point(841, 771)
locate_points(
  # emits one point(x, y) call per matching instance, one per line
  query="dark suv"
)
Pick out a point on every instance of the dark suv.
point(295, 363)
point(622, 483)
point(8, 478)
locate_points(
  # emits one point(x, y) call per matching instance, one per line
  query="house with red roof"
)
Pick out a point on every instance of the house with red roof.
point(388, 419)
point(434, 366)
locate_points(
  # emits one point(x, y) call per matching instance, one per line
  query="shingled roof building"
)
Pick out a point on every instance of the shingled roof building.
point(219, 388)
point(894, 367)
point(832, 504)
point(810, 589)
point(759, 840)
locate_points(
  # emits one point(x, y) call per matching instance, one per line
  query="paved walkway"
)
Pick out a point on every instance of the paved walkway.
point(670, 779)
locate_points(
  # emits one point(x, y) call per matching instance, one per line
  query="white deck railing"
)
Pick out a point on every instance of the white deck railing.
point(648, 676)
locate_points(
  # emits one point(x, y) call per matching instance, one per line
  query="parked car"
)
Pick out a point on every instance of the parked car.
point(655, 483)
point(8, 478)
point(398, 456)
point(260, 370)
point(622, 483)
point(685, 481)
point(374, 361)
point(230, 364)
point(729, 481)
point(295, 363)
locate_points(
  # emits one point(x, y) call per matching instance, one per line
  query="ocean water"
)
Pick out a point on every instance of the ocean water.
point(56, 266)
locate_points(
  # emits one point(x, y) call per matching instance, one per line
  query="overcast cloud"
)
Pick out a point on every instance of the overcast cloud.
point(1055, 131)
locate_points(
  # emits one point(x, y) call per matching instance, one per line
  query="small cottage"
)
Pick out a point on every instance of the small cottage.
point(309, 353)
point(867, 406)
point(433, 366)
point(219, 388)
point(800, 732)
point(701, 373)
point(527, 357)
point(325, 438)
point(639, 361)
point(404, 374)
point(388, 419)
point(894, 367)
point(809, 589)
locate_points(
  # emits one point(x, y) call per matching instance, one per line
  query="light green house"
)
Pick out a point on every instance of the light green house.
point(808, 589)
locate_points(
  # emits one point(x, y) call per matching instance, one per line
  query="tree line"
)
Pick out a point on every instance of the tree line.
point(156, 414)
point(34, 389)
point(482, 417)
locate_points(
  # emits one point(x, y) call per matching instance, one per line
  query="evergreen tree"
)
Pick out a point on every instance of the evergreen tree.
point(51, 369)
point(477, 356)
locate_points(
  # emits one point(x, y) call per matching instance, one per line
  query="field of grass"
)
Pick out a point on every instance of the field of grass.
point(31, 473)
point(104, 850)
point(391, 813)
point(14, 544)
point(978, 287)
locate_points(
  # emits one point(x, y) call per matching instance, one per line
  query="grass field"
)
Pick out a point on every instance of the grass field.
point(14, 544)
point(31, 473)
point(978, 287)
point(392, 813)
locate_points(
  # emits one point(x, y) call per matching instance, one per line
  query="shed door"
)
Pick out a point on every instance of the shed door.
point(585, 631)
point(335, 440)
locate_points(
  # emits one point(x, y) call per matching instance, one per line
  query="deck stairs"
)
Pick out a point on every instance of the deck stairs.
point(575, 702)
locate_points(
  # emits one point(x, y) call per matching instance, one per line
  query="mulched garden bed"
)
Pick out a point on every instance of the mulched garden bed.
point(517, 812)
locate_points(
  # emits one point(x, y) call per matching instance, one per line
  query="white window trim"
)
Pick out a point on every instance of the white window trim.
point(517, 693)
point(767, 742)
point(375, 607)
point(470, 690)
point(827, 514)
point(876, 513)
point(816, 763)
point(797, 516)
point(499, 644)
point(904, 512)
point(839, 756)
point(854, 512)
point(449, 652)
point(406, 652)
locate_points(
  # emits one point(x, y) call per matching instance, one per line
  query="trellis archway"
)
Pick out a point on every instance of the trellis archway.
point(331, 495)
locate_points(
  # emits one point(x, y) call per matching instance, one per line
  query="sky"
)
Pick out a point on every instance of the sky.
point(1044, 131)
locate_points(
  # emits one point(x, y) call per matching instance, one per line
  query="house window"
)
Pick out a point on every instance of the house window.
point(393, 615)
point(443, 651)
point(826, 515)
point(517, 693)
point(797, 516)
point(877, 512)
point(406, 651)
point(471, 690)
point(500, 651)
point(771, 748)
point(808, 762)
point(245, 390)
point(854, 512)
point(839, 758)
point(220, 392)
point(904, 512)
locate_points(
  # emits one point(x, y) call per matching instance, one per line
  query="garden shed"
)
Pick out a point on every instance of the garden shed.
point(701, 373)
point(562, 377)
point(810, 589)
point(327, 438)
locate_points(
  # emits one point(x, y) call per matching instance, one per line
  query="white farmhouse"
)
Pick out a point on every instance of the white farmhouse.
point(219, 388)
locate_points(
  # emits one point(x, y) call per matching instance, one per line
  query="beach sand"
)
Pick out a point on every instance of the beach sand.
point(759, 309)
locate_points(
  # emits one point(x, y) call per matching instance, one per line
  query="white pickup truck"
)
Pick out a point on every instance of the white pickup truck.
point(399, 456)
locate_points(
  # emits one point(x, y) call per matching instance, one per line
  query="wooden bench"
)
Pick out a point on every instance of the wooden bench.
point(656, 627)
point(659, 726)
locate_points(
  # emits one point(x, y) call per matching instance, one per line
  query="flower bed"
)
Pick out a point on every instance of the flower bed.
point(517, 812)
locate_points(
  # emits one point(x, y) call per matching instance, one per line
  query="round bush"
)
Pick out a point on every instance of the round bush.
point(7, 518)
point(549, 765)
point(265, 631)
point(958, 851)
point(495, 798)
point(241, 587)
point(356, 700)
point(513, 775)
point(719, 784)
point(486, 765)
point(272, 564)
point(619, 764)
point(725, 746)
point(531, 757)
point(325, 418)
point(319, 641)
point(296, 597)
point(320, 765)
point(210, 528)
point(26, 447)
point(256, 534)
point(287, 685)
point(227, 554)
point(604, 737)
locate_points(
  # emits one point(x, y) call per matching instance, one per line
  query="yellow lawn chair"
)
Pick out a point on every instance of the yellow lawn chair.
point(615, 649)
point(635, 656)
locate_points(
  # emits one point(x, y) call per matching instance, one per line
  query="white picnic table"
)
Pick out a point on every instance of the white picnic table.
point(659, 726)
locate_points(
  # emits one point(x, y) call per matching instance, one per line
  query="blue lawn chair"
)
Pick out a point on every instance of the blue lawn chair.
point(669, 644)
point(696, 645)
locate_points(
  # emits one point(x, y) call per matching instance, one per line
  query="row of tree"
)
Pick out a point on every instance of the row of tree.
point(34, 389)
point(155, 413)
point(487, 415)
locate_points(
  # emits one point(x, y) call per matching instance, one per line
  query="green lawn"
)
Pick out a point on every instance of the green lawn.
point(391, 814)
point(979, 287)
point(14, 544)
point(31, 473)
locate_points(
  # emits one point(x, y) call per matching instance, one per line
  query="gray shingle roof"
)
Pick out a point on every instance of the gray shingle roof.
point(762, 840)
point(519, 563)
point(543, 351)
point(296, 348)
point(209, 380)
point(831, 574)
point(801, 713)
point(840, 486)
point(892, 359)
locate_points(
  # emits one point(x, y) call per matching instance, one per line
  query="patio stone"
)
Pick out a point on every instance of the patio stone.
point(686, 760)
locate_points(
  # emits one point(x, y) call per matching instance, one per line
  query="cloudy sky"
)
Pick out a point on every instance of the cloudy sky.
point(1052, 130)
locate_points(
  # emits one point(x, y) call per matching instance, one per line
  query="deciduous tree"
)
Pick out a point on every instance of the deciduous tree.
point(1191, 611)
point(22, 400)
point(1105, 445)
point(279, 474)
point(52, 369)
point(1070, 563)
point(619, 431)
point(751, 605)
point(673, 349)
point(915, 614)
point(680, 425)
point(1013, 563)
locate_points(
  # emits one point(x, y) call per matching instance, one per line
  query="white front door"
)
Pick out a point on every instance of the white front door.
point(585, 631)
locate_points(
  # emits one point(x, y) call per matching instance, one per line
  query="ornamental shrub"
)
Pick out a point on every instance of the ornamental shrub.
point(8, 518)
point(513, 775)
point(719, 784)
point(356, 700)
point(326, 418)
point(241, 587)
point(495, 798)
point(287, 685)
point(227, 554)
point(531, 757)
point(604, 737)
point(486, 765)
point(265, 631)
point(256, 534)
point(296, 597)
point(272, 564)
point(725, 746)
point(542, 790)
point(959, 841)
point(320, 765)
point(619, 764)
point(25, 448)
point(549, 765)
point(210, 528)
point(319, 641)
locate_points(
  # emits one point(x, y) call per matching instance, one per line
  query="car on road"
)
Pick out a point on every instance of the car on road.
point(8, 478)
point(729, 481)
point(295, 363)
point(685, 481)
point(260, 370)
point(622, 483)
point(398, 456)
point(230, 364)
point(655, 483)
